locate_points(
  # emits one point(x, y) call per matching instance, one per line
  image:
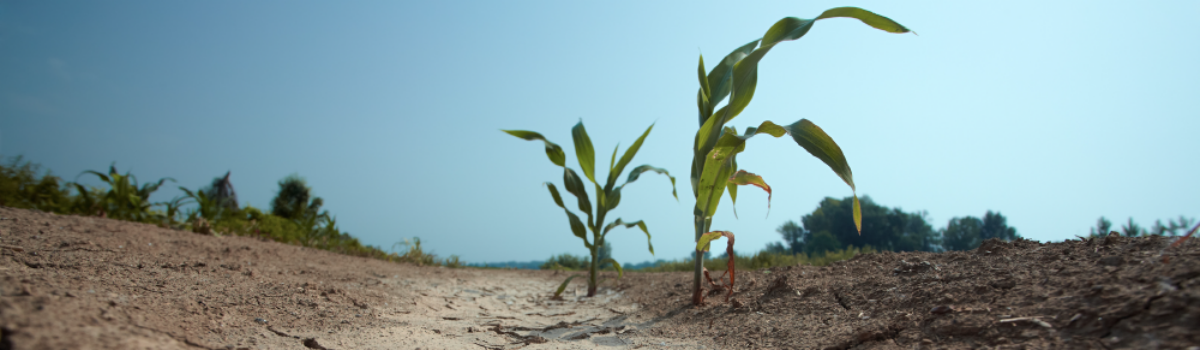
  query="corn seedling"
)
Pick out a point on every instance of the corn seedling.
point(124, 199)
point(607, 197)
point(172, 211)
point(714, 164)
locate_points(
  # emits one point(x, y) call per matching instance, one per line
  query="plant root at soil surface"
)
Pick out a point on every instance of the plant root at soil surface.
point(69, 282)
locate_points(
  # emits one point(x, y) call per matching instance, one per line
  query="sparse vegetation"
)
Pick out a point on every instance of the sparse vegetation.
point(210, 210)
point(761, 260)
point(1131, 229)
point(413, 253)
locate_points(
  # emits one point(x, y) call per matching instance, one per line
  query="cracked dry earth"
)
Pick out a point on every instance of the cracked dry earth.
point(69, 282)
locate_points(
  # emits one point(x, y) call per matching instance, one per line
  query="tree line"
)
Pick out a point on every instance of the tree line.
point(830, 228)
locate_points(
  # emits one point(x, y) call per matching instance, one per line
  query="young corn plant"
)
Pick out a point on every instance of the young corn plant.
point(714, 162)
point(607, 197)
point(124, 199)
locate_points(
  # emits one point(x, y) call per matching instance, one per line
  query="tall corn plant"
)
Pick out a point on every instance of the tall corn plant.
point(607, 197)
point(714, 163)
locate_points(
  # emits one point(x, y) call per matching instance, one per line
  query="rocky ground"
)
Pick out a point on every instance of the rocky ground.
point(69, 282)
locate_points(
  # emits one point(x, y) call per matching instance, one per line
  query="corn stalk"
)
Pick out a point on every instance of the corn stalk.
point(714, 162)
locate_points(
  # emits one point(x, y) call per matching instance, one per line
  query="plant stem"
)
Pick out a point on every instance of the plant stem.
point(701, 226)
point(592, 269)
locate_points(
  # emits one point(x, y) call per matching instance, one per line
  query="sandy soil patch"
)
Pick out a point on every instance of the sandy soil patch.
point(69, 282)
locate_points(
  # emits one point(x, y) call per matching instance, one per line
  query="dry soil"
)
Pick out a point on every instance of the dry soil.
point(69, 282)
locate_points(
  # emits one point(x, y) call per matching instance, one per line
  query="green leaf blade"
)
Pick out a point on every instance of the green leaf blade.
point(640, 224)
point(857, 215)
point(719, 78)
point(627, 157)
point(637, 172)
point(712, 180)
point(872, 19)
point(577, 227)
point(620, 273)
point(574, 186)
point(563, 287)
point(553, 151)
point(814, 140)
point(584, 151)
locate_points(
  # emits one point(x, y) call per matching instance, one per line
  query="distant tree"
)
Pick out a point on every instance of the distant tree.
point(882, 228)
point(913, 231)
point(1103, 227)
point(1131, 229)
point(793, 236)
point(777, 248)
point(822, 242)
point(996, 226)
point(962, 233)
point(969, 232)
point(295, 200)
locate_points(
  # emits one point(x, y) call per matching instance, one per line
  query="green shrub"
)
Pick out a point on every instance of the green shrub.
point(21, 187)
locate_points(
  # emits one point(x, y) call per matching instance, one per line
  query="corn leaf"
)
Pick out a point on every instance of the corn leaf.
point(626, 158)
point(577, 227)
point(702, 97)
point(820, 145)
point(637, 172)
point(640, 224)
point(613, 161)
point(712, 180)
point(553, 151)
point(562, 287)
point(719, 78)
point(732, 188)
point(574, 185)
point(743, 177)
point(616, 265)
point(584, 151)
point(613, 199)
point(857, 215)
point(745, 75)
point(702, 244)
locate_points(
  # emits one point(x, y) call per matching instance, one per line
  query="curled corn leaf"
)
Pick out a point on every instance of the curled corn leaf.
point(553, 151)
point(742, 177)
point(617, 266)
point(562, 287)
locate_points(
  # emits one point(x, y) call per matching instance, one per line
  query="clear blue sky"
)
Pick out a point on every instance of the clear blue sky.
point(1053, 113)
